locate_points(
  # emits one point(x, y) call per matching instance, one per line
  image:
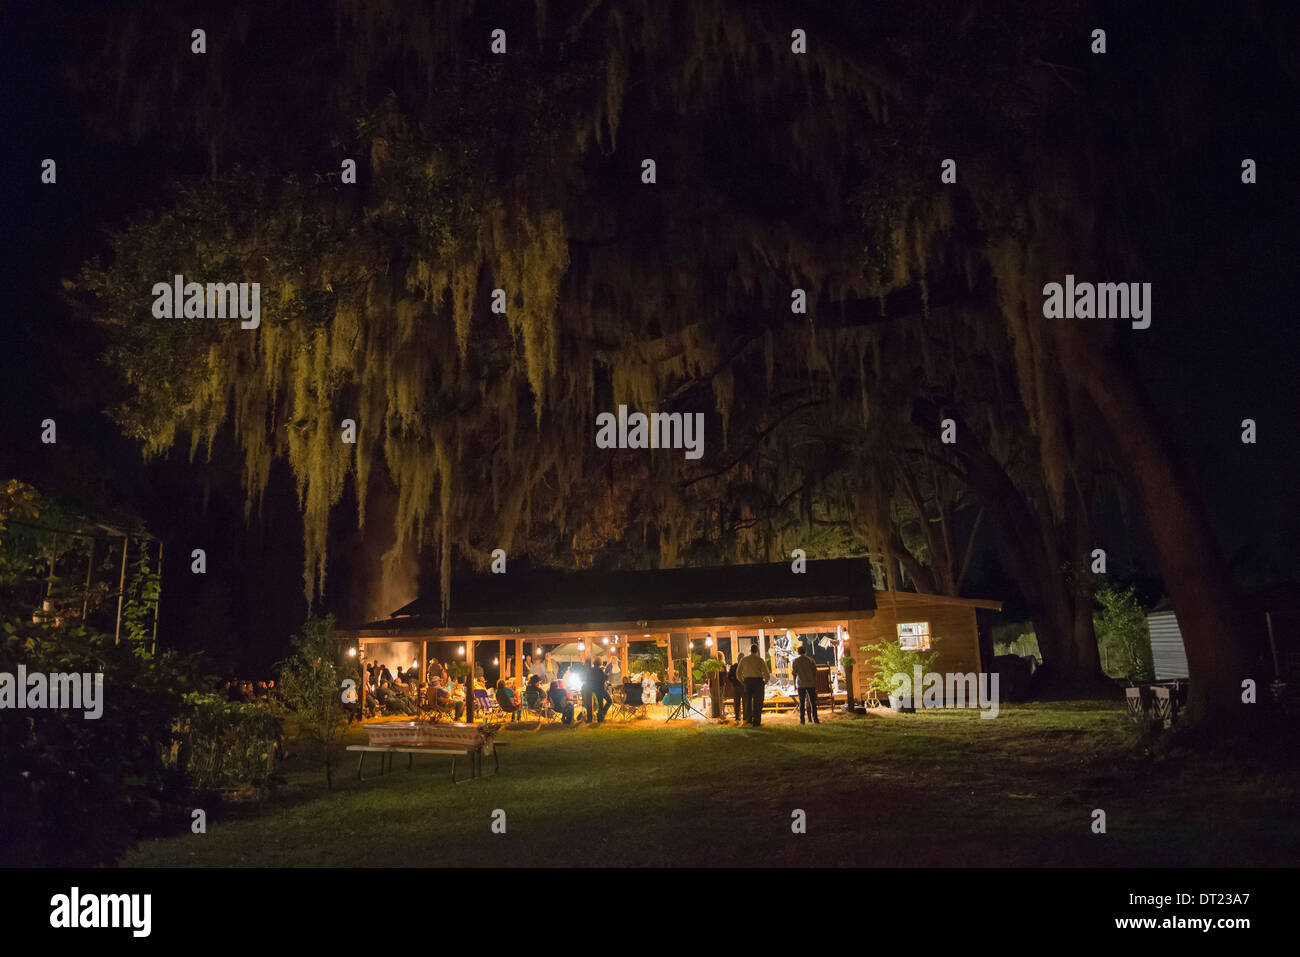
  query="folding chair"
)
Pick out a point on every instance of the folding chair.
point(543, 714)
point(628, 702)
point(484, 704)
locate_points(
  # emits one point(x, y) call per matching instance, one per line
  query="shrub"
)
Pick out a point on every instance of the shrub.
point(311, 684)
point(225, 744)
point(74, 791)
point(887, 658)
point(1122, 627)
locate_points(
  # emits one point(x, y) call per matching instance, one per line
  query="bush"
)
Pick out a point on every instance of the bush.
point(75, 791)
point(311, 684)
point(888, 658)
point(655, 662)
point(226, 744)
point(1122, 630)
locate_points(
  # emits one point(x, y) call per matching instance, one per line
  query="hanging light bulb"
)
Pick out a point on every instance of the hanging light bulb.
point(495, 661)
point(604, 641)
point(582, 646)
point(461, 650)
point(352, 652)
point(709, 641)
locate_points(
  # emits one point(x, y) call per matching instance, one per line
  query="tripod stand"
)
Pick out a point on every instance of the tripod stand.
point(684, 708)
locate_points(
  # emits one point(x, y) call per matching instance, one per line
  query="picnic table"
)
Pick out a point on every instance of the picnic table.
point(426, 737)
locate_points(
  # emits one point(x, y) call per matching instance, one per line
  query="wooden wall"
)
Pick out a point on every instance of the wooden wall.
point(953, 633)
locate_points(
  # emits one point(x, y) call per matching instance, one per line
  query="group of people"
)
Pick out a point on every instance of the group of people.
point(745, 683)
point(235, 689)
point(404, 693)
point(546, 691)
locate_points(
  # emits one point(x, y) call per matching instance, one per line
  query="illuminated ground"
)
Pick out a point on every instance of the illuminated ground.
point(896, 790)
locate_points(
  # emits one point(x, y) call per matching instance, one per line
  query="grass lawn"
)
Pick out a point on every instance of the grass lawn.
point(941, 788)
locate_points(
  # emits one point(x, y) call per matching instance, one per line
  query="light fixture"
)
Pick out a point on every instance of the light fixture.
point(582, 646)
point(352, 652)
point(494, 661)
point(604, 641)
point(461, 650)
point(709, 641)
point(645, 636)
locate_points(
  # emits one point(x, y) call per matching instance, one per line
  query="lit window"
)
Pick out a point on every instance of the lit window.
point(914, 635)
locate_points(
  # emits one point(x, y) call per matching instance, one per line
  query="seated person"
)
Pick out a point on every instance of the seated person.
point(560, 702)
point(447, 698)
point(400, 700)
point(534, 695)
point(506, 700)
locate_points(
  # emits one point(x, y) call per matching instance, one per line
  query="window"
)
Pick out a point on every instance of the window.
point(914, 635)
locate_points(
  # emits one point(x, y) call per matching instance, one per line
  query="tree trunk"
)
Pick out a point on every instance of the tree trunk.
point(1191, 565)
point(1050, 577)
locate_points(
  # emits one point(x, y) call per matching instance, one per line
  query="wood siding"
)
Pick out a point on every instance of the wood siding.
point(953, 632)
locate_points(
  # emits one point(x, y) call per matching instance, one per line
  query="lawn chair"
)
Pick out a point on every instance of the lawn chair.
point(544, 714)
point(484, 704)
point(628, 702)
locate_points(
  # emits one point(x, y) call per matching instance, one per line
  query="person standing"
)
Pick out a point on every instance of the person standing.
point(716, 681)
point(736, 691)
point(805, 682)
point(753, 671)
point(595, 697)
point(550, 669)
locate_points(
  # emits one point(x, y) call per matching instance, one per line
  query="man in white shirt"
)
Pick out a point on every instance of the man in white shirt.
point(805, 681)
point(753, 674)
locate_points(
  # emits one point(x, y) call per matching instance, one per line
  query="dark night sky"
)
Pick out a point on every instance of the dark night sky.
point(1218, 351)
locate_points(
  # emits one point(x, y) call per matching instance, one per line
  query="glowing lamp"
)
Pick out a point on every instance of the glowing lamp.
point(352, 652)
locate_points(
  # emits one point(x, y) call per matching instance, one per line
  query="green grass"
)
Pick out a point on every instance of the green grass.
point(943, 788)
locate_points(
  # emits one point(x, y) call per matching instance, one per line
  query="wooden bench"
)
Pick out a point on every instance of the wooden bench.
point(386, 768)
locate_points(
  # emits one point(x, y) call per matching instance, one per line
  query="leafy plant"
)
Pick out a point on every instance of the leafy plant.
point(655, 662)
point(1122, 629)
point(311, 684)
point(888, 658)
point(226, 743)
